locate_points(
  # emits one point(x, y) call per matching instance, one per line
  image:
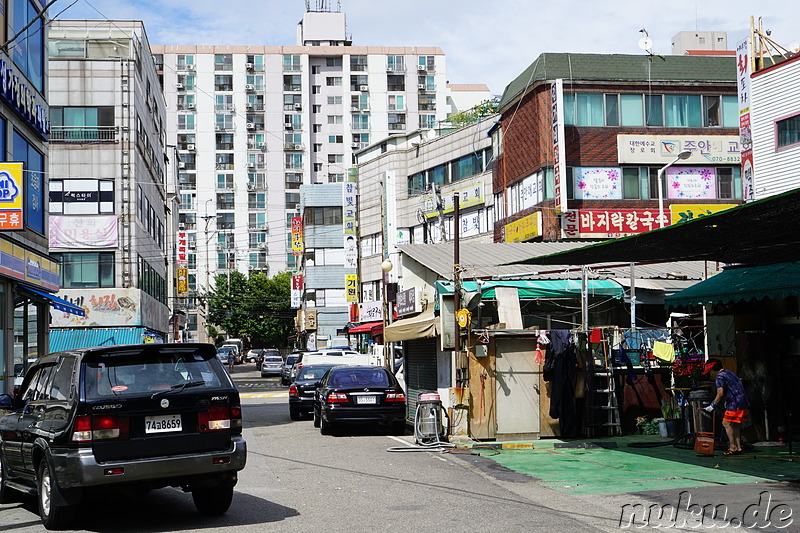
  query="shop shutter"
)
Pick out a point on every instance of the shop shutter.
point(420, 370)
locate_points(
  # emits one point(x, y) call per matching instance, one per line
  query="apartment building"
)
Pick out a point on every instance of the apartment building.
point(252, 124)
point(110, 214)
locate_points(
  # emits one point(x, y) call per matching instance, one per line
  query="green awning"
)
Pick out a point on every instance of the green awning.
point(541, 288)
point(741, 283)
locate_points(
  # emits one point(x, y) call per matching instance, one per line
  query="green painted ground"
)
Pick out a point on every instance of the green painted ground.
point(626, 469)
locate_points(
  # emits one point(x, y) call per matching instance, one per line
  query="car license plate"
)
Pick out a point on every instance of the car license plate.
point(162, 424)
point(362, 400)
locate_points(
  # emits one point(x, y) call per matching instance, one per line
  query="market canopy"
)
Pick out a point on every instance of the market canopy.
point(741, 283)
point(363, 328)
point(58, 303)
point(757, 233)
point(422, 326)
point(544, 288)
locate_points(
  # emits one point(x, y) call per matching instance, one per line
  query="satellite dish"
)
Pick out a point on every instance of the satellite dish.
point(645, 43)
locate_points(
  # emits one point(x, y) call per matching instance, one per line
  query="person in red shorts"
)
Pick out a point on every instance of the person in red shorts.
point(730, 387)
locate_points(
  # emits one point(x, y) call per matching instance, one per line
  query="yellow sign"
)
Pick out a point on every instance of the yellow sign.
point(467, 197)
point(524, 229)
point(463, 317)
point(183, 281)
point(11, 196)
point(297, 235)
point(683, 212)
point(311, 318)
point(351, 287)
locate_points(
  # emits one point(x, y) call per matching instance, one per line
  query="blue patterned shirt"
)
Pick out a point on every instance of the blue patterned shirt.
point(735, 395)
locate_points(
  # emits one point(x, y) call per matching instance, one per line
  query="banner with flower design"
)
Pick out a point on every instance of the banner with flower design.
point(691, 183)
point(592, 183)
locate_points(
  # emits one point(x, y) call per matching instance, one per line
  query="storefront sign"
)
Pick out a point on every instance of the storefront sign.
point(408, 302)
point(371, 311)
point(523, 229)
point(83, 231)
point(689, 183)
point(559, 148)
point(597, 183)
point(27, 102)
point(182, 274)
point(744, 68)
point(470, 224)
point(662, 149)
point(531, 191)
point(182, 248)
point(297, 236)
point(349, 207)
point(311, 319)
point(11, 196)
point(351, 288)
point(350, 252)
point(21, 264)
point(684, 212)
point(609, 223)
point(467, 197)
point(297, 291)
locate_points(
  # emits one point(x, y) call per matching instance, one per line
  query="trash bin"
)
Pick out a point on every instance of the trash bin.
point(704, 422)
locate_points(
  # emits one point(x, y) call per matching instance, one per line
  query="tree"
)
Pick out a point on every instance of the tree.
point(255, 307)
point(474, 114)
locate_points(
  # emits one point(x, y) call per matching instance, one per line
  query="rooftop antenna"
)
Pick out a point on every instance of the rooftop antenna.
point(646, 44)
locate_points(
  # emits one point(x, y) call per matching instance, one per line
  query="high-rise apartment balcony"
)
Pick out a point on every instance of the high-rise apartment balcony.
point(83, 134)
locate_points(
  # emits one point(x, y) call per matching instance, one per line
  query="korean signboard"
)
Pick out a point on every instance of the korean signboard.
point(683, 212)
point(21, 264)
point(350, 252)
point(523, 229)
point(182, 248)
point(83, 231)
point(662, 149)
point(11, 196)
point(559, 149)
point(297, 291)
point(349, 207)
point(351, 287)
point(408, 302)
point(182, 273)
point(691, 183)
point(297, 235)
point(744, 62)
point(371, 311)
point(609, 223)
point(597, 183)
point(467, 197)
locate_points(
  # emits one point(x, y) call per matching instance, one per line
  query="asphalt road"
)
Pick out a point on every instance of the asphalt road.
point(299, 480)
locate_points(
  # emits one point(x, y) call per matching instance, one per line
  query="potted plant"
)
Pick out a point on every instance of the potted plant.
point(670, 424)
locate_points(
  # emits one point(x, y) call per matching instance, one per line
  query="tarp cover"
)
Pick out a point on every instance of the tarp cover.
point(363, 328)
point(69, 339)
point(546, 288)
point(422, 326)
point(741, 283)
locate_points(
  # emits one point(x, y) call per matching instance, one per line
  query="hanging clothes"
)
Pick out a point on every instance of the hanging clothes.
point(560, 367)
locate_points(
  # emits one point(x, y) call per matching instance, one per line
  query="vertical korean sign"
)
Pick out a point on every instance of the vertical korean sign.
point(349, 205)
point(297, 291)
point(559, 152)
point(11, 196)
point(744, 54)
point(182, 248)
point(182, 273)
point(351, 287)
point(297, 236)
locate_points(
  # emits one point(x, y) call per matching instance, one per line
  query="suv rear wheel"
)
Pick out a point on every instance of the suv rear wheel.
point(213, 500)
point(53, 517)
point(5, 492)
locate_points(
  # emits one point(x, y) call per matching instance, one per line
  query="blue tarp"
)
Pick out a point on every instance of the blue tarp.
point(69, 339)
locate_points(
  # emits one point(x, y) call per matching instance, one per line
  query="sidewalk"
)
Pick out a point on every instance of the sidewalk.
point(611, 466)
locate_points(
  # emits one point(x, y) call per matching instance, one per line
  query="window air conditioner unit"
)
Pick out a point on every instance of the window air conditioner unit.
point(298, 107)
point(190, 106)
point(251, 126)
point(248, 105)
point(421, 68)
point(179, 86)
point(190, 147)
point(190, 66)
point(363, 88)
point(248, 66)
point(421, 86)
point(249, 87)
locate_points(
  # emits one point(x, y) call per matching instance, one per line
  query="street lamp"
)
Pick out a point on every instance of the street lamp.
point(386, 267)
point(683, 155)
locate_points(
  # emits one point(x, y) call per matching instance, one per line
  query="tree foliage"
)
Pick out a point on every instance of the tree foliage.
point(256, 307)
point(474, 114)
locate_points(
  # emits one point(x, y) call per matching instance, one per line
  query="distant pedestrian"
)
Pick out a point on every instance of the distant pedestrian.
point(737, 405)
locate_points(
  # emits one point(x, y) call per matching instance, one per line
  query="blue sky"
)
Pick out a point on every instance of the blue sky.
point(485, 42)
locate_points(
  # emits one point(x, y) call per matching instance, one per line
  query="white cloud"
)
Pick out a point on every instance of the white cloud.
point(485, 42)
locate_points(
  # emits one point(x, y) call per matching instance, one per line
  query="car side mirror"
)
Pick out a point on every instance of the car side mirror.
point(6, 401)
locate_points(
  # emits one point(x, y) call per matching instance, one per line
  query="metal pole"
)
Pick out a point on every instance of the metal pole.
point(456, 272)
point(633, 296)
point(584, 298)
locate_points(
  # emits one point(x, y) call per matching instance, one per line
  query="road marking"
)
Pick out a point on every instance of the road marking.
point(401, 441)
point(264, 395)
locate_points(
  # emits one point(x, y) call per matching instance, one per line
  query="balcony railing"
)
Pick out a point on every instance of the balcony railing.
point(83, 134)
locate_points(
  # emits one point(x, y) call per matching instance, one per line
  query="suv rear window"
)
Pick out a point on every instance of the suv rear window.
point(359, 377)
point(273, 359)
point(290, 360)
point(128, 373)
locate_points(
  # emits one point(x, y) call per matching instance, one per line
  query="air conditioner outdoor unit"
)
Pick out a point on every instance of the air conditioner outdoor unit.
point(289, 125)
point(249, 87)
point(262, 246)
point(190, 67)
point(251, 186)
point(251, 126)
point(190, 106)
point(262, 146)
point(181, 165)
point(355, 108)
point(363, 88)
point(421, 86)
point(190, 147)
point(298, 106)
point(220, 247)
point(248, 66)
point(421, 68)
point(181, 226)
point(356, 145)
point(264, 227)
point(192, 245)
point(179, 86)
point(248, 105)
point(251, 165)
point(217, 128)
point(297, 146)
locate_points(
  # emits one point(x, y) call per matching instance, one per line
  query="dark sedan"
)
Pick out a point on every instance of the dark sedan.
point(301, 393)
point(359, 394)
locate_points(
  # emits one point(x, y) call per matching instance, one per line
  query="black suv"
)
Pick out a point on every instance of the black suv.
point(134, 418)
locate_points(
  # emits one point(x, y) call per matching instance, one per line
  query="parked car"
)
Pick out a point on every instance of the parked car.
point(368, 394)
point(224, 353)
point(252, 355)
point(286, 370)
point(122, 418)
point(271, 366)
point(301, 393)
point(265, 352)
point(327, 356)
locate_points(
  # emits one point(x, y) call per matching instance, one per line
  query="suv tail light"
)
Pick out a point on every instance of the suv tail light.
point(336, 397)
point(293, 391)
point(219, 418)
point(88, 428)
point(395, 397)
